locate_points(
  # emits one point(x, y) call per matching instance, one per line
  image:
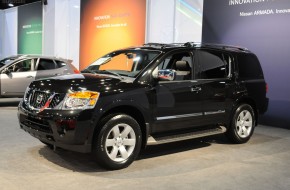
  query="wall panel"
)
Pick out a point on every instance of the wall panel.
point(1, 33)
point(174, 21)
point(10, 32)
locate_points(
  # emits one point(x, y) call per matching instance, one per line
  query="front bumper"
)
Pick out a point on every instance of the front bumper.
point(67, 129)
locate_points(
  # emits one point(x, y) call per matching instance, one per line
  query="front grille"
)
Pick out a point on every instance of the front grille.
point(37, 99)
point(37, 124)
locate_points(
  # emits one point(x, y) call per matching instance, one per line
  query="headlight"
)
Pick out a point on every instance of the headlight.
point(80, 100)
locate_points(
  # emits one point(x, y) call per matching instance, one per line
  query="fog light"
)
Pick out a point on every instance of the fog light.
point(65, 125)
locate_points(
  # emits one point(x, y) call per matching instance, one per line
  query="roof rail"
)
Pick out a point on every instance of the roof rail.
point(155, 44)
point(195, 44)
point(226, 46)
point(162, 46)
point(191, 44)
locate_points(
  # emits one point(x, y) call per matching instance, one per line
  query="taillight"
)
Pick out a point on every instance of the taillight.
point(76, 71)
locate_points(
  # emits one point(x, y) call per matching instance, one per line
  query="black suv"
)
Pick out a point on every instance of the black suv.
point(148, 95)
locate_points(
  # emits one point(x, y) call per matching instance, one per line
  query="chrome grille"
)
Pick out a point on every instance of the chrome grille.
point(37, 99)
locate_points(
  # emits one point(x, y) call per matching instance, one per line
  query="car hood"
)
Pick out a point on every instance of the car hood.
point(79, 82)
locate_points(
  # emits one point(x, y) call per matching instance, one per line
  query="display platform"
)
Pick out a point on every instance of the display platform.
point(207, 163)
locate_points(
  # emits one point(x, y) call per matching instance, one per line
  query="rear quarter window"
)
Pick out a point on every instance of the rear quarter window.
point(60, 64)
point(249, 66)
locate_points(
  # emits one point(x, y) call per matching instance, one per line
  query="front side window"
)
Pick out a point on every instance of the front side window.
point(213, 64)
point(22, 66)
point(125, 63)
point(181, 63)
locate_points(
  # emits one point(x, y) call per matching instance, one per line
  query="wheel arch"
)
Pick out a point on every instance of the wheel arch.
point(128, 110)
point(251, 102)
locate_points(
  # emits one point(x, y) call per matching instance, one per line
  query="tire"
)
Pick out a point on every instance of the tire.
point(242, 125)
point(118, 143)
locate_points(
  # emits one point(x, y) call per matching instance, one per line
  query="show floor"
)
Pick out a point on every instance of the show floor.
point(207, 163)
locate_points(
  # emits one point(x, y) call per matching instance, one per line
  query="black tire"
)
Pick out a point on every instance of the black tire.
point(114, 147)
point(242, 125)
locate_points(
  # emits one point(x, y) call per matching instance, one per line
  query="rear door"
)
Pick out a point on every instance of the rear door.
point(216, 85)
point(20, 75)
point(47, 68)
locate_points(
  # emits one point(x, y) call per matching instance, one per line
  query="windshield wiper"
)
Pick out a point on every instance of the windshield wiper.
point(113, 73)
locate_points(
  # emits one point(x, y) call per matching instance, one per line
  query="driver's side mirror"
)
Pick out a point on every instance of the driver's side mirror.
point(6, 71)
point(165, 75)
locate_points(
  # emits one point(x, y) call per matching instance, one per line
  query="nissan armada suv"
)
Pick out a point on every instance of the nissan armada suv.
point(147, 95)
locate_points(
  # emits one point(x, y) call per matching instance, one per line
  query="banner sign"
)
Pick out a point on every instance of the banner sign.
point(263, 26)
point(109, 25)
point(30, 29)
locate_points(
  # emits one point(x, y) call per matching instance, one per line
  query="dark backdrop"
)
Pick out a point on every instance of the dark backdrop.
point(30, 29)
point(266, 32)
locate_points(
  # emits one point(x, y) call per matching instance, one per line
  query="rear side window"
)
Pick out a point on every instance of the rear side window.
point(213, 64)
point(249, 66)
point(46, 64)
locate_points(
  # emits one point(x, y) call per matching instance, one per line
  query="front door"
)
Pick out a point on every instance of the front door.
point(19, 76)
point(178, 103)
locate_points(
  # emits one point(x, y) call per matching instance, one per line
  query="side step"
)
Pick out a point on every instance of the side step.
point(173, 138)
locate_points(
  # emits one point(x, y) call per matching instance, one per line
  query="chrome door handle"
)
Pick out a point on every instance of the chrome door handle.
point(29, 76)
point(195, 89)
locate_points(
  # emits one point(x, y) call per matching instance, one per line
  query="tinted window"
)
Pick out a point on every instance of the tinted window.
point(214, 64)
point(46, 64)
point(249, 66)
point(6, 60)
point(60, 64)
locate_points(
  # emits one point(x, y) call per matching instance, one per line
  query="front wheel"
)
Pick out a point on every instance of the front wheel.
point(242, 125)
point(118, 143)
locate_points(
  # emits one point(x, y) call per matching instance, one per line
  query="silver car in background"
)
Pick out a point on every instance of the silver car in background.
point(17, 72)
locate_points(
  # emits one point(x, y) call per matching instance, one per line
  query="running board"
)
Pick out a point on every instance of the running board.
point(173, 138)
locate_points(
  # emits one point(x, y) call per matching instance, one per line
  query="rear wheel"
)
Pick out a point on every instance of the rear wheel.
point(242, 125)
point(118, 143)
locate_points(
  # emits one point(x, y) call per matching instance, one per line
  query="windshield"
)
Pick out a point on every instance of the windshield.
point(5, 61)
point(122, 63)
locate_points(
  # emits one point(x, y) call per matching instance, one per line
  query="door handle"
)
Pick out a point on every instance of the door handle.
point(56, 74)
point(29, 76)
point(195, 89)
